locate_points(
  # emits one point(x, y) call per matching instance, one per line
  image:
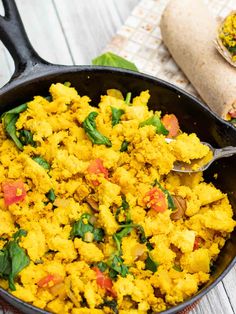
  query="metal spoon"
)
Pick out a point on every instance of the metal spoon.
point(217, 153)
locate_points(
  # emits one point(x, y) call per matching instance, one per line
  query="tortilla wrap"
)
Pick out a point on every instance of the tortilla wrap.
point(189, 30)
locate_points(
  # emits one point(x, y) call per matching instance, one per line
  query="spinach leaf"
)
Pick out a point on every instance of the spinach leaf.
point(121, 234)
point(111, 59)
point(9, 119)
point(149, 246)
point(51, 195)
point(116, 115)
point(117, 267)
point(150, 264)
point(128, 98)
point(112, 304)
point(124, 146)
point(13, 259)
point(83, 225)
point(124, 211)
point(26, 138)
point(171, 204)
point(98, 234)
point(177, 268)
point(102, 266)
point(19, 260)
point(155, 121)
point(42, 162)
point(232, 49)
point(94, 135)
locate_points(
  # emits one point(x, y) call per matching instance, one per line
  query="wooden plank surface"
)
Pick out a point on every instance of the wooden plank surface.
point(74, 32)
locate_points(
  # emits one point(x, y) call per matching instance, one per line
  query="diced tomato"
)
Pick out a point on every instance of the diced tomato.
point(13, 191)
point(155, 199)
point(198, 241)
point(171, 123)
point(232, 113)
point(96, 167)
point(49, 281)
point(105, 282)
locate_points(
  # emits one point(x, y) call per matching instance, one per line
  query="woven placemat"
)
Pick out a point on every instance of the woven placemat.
point(139, 40)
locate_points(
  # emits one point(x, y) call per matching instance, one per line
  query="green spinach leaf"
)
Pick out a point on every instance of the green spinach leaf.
point(26, 138)
point(42, 162)
point(117, 267)
point(9, 119)
point(113, 60)
point(112, 304)
point(13, 259)
point(156, 122)
point(102, 266)
point(98, 234)
point(124, 146)
point(116, 115)
point(171, 204)
point(150, 264)
point(128, 98)
point(94, 135)
point(83, 225)
point(51, 195)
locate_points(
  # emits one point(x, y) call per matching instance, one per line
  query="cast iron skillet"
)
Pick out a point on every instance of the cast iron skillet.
point(33, 76)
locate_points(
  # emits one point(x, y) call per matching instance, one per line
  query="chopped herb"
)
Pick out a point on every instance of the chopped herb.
point(68, 84)
point(156, 122)
point(13, 259)
point(150, 264)
point(42, 162)
point(81, 227)
point(26, 138)
point(98, 234)
point(116, 115)
point(177, 268)
point(124, 146)
point(128, 98)
point(232, 49)
point(94, 135)
point(171, 204)
point(112, 304)
point(9, 119)
point(111, 59)
point(51, 195)
point(233, 121)
point(149, 246)
point(121, 234)
point(117, 267)
point(102, 266)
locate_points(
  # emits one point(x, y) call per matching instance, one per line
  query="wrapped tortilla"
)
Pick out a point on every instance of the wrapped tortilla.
point(189, 31)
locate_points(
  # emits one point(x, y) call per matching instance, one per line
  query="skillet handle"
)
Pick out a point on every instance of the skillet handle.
point(14, 37)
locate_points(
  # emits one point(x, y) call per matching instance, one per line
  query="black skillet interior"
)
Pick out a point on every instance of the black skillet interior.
point(33, 76)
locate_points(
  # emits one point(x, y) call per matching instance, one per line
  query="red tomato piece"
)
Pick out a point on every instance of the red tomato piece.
point(232, 113)
point(13, 191)
point(171, 123)
point(105, 282)
point(198, 241)
point(155, 199)
point(49, 281)
point(96, 167)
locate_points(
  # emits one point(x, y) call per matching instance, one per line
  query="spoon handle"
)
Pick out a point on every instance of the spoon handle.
point(224, 152)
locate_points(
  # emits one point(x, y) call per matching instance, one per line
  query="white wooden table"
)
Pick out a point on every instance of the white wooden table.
point(74, 32)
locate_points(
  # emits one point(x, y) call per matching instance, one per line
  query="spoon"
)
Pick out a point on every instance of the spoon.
point(217, 153)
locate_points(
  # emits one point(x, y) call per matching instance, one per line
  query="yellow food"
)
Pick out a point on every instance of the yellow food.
point(228, 34)
point(101, 190)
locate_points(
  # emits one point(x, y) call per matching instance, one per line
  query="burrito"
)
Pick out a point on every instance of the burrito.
point(189, 30)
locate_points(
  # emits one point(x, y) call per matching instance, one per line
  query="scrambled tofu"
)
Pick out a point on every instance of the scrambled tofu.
point(92, 219)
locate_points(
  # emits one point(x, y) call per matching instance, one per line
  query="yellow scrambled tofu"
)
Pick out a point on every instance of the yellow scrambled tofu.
point(92, 219)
